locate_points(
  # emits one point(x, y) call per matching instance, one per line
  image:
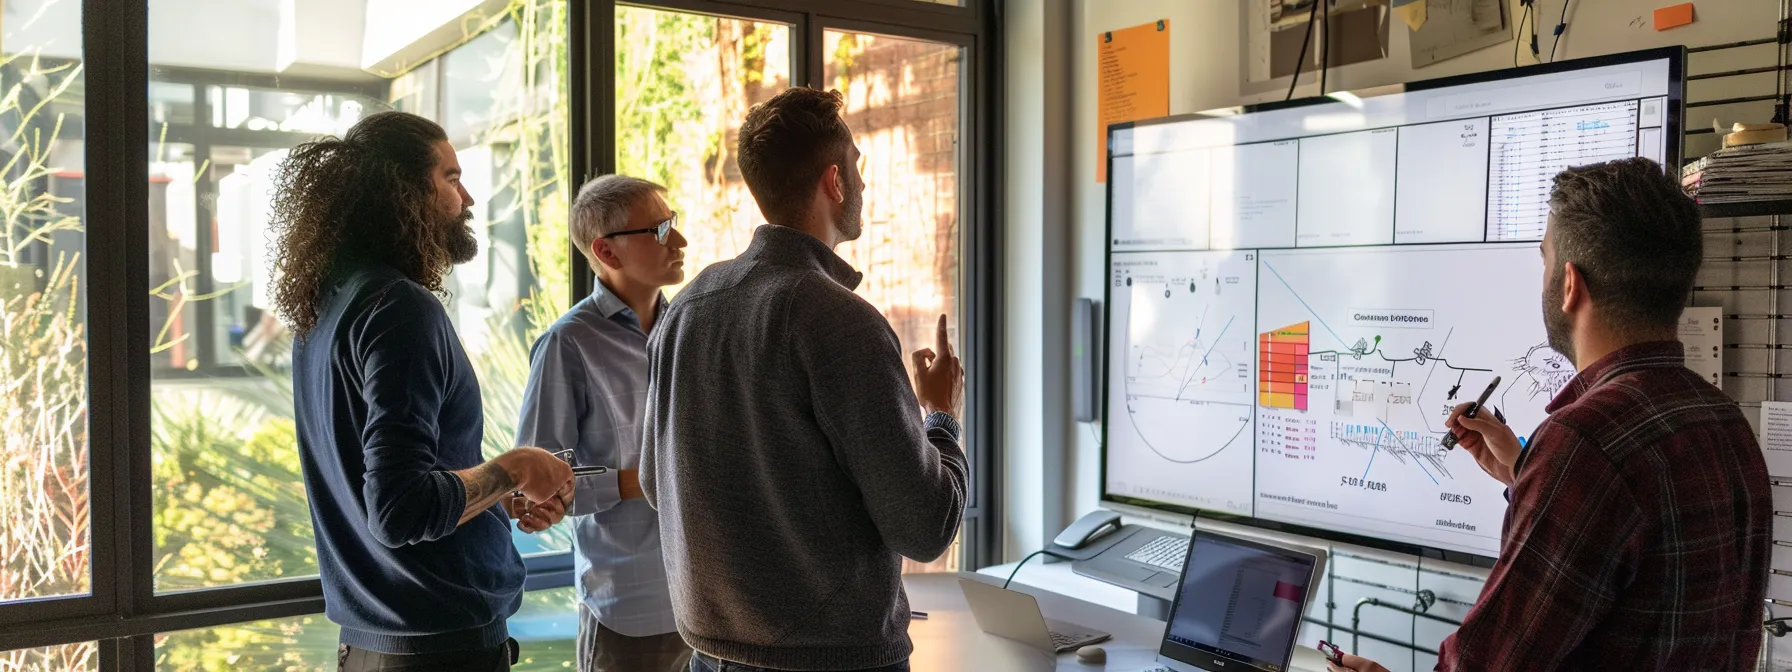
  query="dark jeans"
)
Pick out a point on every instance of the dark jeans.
point(350, 659)
point(703, 662)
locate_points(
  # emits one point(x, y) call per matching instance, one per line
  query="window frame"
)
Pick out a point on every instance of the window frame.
point(122, 611)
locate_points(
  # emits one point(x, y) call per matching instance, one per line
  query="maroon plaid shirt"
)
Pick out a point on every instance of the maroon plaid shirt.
point(1638, 535)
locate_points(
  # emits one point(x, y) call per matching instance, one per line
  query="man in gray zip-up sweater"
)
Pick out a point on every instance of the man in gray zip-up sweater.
point(784, 447)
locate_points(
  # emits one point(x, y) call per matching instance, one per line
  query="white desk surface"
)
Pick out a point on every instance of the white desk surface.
point(949, 640)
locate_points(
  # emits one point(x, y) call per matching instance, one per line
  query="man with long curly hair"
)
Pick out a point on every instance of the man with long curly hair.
point(413, 544)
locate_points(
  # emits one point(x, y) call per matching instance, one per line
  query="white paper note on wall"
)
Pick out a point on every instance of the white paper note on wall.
point(1776, 437)
point(1702, 331)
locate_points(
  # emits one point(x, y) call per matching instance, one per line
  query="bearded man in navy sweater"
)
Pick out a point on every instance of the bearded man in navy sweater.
point(412, 526)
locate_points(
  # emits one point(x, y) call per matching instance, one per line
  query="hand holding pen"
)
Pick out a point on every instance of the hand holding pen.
point(1486, 437)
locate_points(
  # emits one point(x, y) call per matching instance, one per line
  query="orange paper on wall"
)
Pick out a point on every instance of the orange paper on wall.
point(1134, 71)
point(1673, 17)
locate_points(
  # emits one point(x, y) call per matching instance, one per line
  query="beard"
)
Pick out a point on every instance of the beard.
point(458, 234)
point(1555, 322)
point(852, 215)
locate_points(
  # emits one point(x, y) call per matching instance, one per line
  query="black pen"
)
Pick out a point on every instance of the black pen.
point(1450, 439)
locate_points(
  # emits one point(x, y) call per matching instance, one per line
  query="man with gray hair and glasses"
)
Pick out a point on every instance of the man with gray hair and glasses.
point(586, 393)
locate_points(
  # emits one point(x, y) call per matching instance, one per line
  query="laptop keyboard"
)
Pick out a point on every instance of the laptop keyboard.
point(1165, 552)
point(1064, 640)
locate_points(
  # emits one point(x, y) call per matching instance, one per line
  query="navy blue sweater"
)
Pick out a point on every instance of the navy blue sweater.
point(387, 406)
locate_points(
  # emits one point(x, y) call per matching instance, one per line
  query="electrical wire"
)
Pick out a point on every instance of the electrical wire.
point(1561, 27)
point(1023, 562)
point(1300, 63)
point(1519, 43)
point(1325, 43)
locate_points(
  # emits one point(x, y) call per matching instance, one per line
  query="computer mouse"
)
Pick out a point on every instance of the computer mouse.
point(1093, 655)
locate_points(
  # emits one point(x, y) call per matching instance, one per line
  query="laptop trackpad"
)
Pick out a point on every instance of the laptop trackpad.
point(1162, 580)
point(1131, 573)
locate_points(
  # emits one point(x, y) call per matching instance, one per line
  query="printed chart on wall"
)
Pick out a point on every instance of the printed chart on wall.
point(1298, 296)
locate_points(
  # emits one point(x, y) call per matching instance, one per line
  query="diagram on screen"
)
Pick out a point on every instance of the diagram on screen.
point(1362, 355)
point(1389, 248)
point(1543, 371)
point(1183, 367)
point(1189, 357)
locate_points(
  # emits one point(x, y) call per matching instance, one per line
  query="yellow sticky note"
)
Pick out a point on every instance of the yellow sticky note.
point(1413, 13)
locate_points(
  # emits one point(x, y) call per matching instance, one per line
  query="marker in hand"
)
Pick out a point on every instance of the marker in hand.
point(1450, 439)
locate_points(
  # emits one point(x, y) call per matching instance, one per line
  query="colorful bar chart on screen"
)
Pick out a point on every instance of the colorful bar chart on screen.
point(1282, 367)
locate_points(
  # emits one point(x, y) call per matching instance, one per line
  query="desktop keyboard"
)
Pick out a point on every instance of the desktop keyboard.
point(1165, 552)
point(1062, 640)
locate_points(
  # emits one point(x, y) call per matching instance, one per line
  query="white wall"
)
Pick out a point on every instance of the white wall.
point(1206, 73)
point(1037, 253)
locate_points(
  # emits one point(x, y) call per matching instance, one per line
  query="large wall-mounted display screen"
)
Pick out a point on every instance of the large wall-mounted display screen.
point(1298, 294)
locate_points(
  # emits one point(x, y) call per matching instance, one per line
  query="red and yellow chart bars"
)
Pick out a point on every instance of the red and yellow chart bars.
point(1282, 367)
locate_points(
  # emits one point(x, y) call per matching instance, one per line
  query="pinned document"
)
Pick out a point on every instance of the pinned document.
point(1412, 12)
point(1776, 437)
point(1134, 70)
point(1702, 332)
point(1456, 27)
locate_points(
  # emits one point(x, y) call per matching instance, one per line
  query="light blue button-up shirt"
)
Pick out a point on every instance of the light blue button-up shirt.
point(587, 388)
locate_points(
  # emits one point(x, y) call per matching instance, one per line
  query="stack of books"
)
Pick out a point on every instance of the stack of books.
point(1743, 174)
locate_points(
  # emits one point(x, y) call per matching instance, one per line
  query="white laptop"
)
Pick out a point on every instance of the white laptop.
point(1239, 604)
point(1015, 615)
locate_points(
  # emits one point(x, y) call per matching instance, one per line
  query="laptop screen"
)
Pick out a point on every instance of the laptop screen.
point(1239, 605)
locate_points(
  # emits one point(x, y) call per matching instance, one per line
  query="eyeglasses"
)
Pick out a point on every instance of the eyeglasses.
point(659, 231)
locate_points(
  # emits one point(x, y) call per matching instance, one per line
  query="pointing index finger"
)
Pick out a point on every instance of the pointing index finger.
point(941, 344)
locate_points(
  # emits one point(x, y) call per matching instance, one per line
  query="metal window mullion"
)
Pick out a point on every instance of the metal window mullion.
point(116, 72)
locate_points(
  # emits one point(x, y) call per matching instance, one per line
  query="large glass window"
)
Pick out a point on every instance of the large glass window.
point(902, 103)
point(684, 83)
point(44, 486)
point(230, 501)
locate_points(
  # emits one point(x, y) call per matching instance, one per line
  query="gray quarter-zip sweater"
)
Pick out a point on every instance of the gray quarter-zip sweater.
point(786, 453)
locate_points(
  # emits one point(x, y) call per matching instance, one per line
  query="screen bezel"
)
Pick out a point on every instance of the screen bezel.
point(1204, 660)
point(1672, 129)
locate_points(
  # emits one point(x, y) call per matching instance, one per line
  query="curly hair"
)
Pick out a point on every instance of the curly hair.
point(360, 199)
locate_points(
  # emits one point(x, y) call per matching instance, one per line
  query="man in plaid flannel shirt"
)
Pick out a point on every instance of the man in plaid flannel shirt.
point(1638, 532)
